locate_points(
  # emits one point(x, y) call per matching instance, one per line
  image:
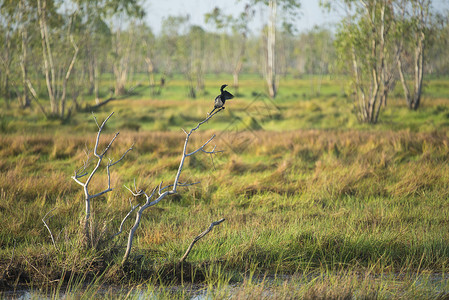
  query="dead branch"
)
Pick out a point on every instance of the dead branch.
point(162, 194)
point(48, 228)
point(99, 155)
point(133, 208)
point(200, 236)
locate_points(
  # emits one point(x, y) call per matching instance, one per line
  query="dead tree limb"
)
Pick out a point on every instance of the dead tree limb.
point(200, 237)
point(152, 199)
point(133, 208)
point(44, 219)
point(82, 172)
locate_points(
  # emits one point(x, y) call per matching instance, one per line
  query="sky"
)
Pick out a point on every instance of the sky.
point(310, 12)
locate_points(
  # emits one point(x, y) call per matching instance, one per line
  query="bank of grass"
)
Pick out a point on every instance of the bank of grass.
point(329, 202)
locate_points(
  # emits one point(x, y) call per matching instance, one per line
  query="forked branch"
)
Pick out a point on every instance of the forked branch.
point(82, 171)
point(200, 236)
point(164, 191)
point(44, 220)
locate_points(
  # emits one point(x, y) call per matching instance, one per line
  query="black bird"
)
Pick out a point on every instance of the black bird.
point(221, 99)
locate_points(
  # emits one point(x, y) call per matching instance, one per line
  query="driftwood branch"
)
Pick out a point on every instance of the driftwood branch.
point(44, 219)
point(133, 208)
point(169, 189)
point(82, 171)
point(200, 237)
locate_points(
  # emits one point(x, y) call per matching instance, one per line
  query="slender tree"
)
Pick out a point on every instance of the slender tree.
point(289, 8)
point(364, 44)
point(240, 31)
point(414, 23)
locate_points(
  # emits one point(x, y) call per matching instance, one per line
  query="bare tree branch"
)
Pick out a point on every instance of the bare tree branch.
point(110, 143)
point(168, 191)
point(200, 236)
point(133, 208)
point(90, 174)
point(44, 219)
point(117, 161)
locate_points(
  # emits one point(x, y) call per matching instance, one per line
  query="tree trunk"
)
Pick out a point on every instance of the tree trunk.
point(7, 64)
point(67, 76)
point(421, 14)
point(25, 99)
point(150, 69)
point(46, 55)
point(91, 72)
point(419, 70)
point(121, 66)
point(97, 83)
point(271, 45)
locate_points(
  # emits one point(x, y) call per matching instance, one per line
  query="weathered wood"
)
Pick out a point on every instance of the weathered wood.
point(200, 236)
point(81, 172)
point(165, 191)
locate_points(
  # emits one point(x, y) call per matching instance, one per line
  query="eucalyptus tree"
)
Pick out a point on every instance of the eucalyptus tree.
point(11, 14)
point(63, 29)
point(98, 17)
point(414, 23)
point(196, 69)
point(365, 43)
point(146, 52)
point(123, 46)
point(97, 37)
point(240, 31)
point(183, 48)
point(25, 19)
point(437, 50)
point(289, 10)
point(57, 65)
point(5, 56)
point(172, 44)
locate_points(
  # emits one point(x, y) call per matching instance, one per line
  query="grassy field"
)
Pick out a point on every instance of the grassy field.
point(316, 204)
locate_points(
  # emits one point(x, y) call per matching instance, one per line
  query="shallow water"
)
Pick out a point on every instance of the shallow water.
point(430, 284)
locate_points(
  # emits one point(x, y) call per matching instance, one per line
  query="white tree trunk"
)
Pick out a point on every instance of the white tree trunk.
point(271, 47)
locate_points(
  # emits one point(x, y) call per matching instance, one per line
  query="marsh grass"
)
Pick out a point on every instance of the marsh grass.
point(318, 284)
point(322, 202)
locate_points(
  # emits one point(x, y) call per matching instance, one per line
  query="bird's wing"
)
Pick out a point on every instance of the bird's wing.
point(218, 101)
point(227, 95)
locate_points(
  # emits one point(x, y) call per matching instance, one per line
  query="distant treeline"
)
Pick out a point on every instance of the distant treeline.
point(72, 45)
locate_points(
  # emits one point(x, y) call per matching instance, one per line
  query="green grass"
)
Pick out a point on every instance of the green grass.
point(306, 191)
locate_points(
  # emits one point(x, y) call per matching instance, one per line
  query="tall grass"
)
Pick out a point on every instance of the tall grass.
point(325, 198)
point(293, 200)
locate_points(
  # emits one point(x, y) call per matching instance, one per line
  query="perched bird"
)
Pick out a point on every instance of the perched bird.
point(221, 99)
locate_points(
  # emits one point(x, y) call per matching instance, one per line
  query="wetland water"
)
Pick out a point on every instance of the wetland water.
point(406, 286)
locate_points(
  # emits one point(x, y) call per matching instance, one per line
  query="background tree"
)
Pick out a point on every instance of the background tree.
point(57, 69)
point(289, 8)
point(122, 50)
point(237, 43)
point(184, 50)
point(317, 53)
point(146, 52)
point(365, 47)
point(437, 61)
point(196, 63)
point(97, 37)
point(413, 19)
point(11, 14)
